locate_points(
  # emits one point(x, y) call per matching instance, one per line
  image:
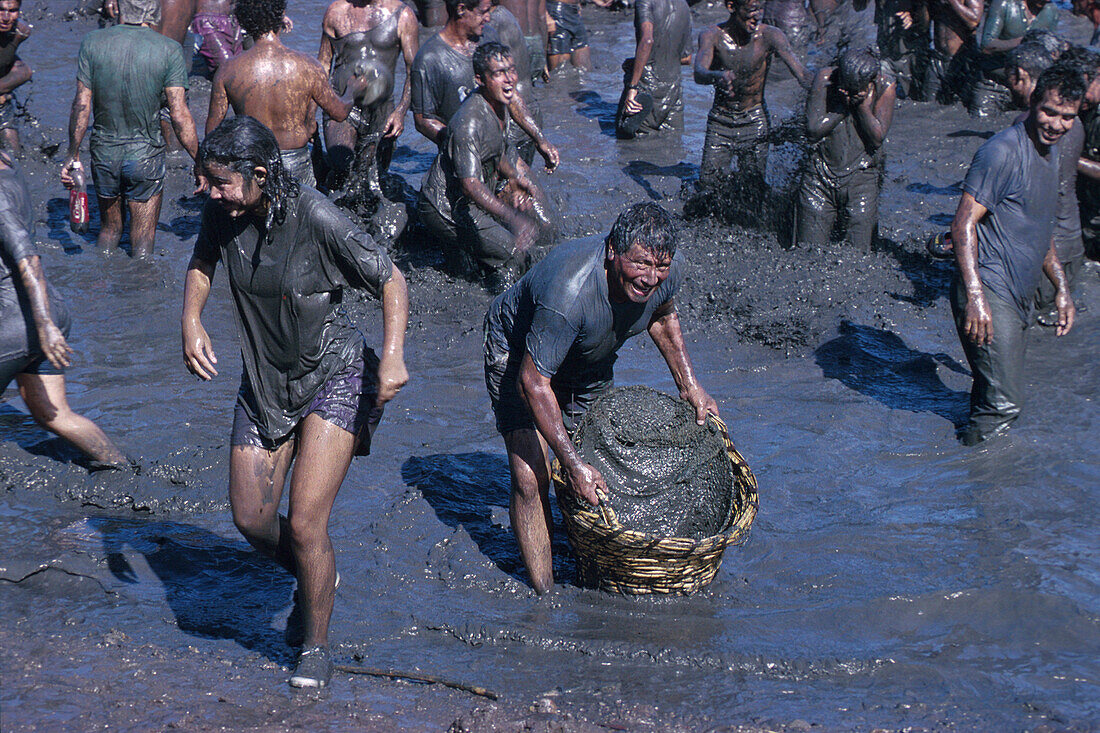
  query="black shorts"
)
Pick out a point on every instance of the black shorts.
point(347, 400)
point(34, 364)
point(570, 34)
point(137, 180)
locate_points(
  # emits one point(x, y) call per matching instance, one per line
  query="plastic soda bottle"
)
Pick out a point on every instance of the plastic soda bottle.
point(78, 200)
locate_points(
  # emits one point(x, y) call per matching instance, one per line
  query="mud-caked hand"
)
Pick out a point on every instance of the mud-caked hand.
point(632, 106)
point(53, 345)
point(66, 171)
point(392, 376)
point(198, 352)
point(584, 480)
point(1067, 312)
point(550, 155)
point(395, 124)
point(703, 403)
point(978, 320)
point(525, 231)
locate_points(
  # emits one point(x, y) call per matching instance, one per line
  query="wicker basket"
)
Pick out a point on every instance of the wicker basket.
point(614, 558)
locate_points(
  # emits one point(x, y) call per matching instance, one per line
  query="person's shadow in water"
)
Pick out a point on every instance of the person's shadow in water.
point(638, 170)
point(878, 364)
point(217, 588)
point(471, 490)
point(595, 107)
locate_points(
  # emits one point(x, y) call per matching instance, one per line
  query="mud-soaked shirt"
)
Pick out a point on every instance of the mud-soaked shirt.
point(128, 67)
point(671, 21)
point(18, 332)
point(474, 143)
point(288, 283)
point(1020, 189)
point(561, 314)
point(442, 78)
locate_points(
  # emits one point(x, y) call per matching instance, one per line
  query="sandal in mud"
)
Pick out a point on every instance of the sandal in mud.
point(314, 668)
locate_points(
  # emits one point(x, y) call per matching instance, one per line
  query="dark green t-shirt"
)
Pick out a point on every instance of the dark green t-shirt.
point(128, 67)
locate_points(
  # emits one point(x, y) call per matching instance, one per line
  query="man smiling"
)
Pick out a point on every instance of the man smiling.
point(550, 347)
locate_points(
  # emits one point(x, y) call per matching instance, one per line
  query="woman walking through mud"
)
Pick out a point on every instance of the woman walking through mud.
point(311, 389)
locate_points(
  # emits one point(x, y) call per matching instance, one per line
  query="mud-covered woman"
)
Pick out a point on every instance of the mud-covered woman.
point(311, 391)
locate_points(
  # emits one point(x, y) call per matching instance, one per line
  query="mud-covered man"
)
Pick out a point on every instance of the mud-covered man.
point(34, 325)
point(954, 49)
point(902, 38)
point(504, 28)
point(551, 342)
point(14, 72)
point(567, 35)
point(365, 38)
point(795, 19)
point(735, 57)
point(1003, 238)
point(531, 15)
point(1006, 24)
point(219, 35)
point(1088, 182)
point(279, 87)
point(848, 115)
point(652, 98)
point(459, 201)
point(123, 73)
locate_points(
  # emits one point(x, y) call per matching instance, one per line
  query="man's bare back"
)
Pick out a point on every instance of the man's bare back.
point(175, 18)
point(954, 22)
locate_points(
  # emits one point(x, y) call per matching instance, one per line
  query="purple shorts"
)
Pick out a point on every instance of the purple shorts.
point(347, 400)
point(221, 37)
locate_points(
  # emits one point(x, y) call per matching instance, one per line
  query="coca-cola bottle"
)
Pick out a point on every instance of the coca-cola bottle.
point(78, 200)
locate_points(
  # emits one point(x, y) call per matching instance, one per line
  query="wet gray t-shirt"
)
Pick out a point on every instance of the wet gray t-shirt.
point(474, 143)
point(1020, 189)
point(442, 78)
point(18, 333)
point(1067, 228)
point(560, 313)
point(287, 286)
point(671, 21)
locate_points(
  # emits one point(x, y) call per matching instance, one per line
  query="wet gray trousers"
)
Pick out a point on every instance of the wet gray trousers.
point(730, 132)
point(823, 197)
point(475, 235)
point(997, 367)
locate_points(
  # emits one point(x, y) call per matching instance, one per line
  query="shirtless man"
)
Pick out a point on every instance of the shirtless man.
point(365, 38)
point(954, 48)
point(651, 97)
point(1006, 23)
point(279, 87)
point(13, 71)
point(735, 57)
point(220, 33)
point(794, 18)
point(902, 39)
point(531, 15)
point(848, 114)
point(459, 201)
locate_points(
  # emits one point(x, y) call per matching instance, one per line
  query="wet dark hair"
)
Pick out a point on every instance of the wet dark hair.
point(647, 225)
point(258, 17)
point(453, 6)
point(1031, 57)
point(241, 144)
point(1048, 40)
point(857, 68)
point(1087, 61)
point(486, 52)
point(1062, 78)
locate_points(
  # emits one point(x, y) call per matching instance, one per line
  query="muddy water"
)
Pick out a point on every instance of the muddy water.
point(893, 579)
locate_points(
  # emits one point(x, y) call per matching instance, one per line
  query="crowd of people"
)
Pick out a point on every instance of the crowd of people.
point(312, 392)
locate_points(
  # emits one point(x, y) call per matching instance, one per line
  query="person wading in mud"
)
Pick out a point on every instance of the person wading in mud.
point(953, 59)
point(550, 347)
point(735, 57)
point(312, 392)
point(443, 76)
point(531, 15)
point(13, 71)
point(365, 38)
point(1004, 27)
point(459, 201)
point(34, 325)
point(279, 87)
point(1003, 239)
point(652, 97)
point(848, 115)
point(122, 74)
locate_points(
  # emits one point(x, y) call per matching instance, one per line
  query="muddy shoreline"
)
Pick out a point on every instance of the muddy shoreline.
point(893, 579)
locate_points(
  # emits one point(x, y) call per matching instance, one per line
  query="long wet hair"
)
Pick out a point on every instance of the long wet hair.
point(258, 17)
point(647, 225)
point(858, 67)
point(243, 143)
point(1062, 77)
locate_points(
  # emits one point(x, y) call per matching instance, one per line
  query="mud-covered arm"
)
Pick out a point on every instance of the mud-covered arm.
point(324, 53)
point(540, 398)
point(782, 46)
point(219, 101)
point(392, 373)
point(968, 11)
point(182, 121)
point(19, 74)
point(521, 115)
point(79, 117)
point(198, 352)
point(408, 32)
point(335, 106)
point(964, 235)
point(642, 51)
point(50, 339)
point(1063, 298)
point(1088, 167)
point(991, 31)
point(819, 120)
point(705, 57)
point(664, 329)
point(875, 113)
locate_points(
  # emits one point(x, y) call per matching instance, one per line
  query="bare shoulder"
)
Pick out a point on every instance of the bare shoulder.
point(709, 34)
point(336, 11)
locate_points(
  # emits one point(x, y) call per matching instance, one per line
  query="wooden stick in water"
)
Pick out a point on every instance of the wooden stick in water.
point(417, 677)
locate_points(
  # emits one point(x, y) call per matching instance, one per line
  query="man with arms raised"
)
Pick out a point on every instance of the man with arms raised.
point(735, 57)
point(122, 74)
point(550, 348)
point(279, 87)
point(1003, 238)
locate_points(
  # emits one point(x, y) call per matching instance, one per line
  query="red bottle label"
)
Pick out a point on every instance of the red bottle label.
point(78, 210)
